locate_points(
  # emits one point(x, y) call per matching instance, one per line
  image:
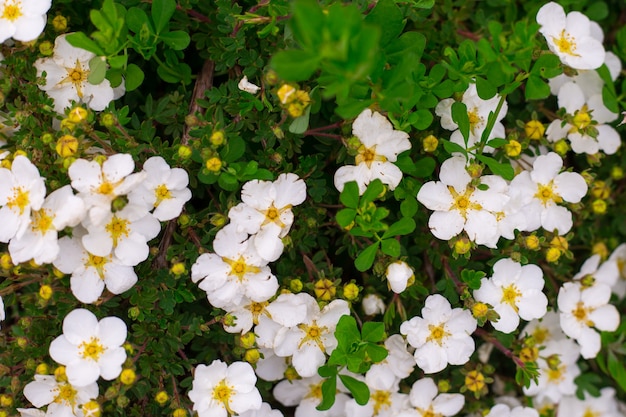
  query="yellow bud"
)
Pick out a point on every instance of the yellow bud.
point(475, 170)
point(108, 120)
point(350, 291)
point(554, 361)
point(6, 400)
point(462, 246)
point(47, 138)
point(77, 115)
point(67, 162)
point(67, 145)
point(66, 124)
point(184, 152)
point(430, 143)
point(560, 243)
point(561, 147)
point(475, 381)
point(128, 377)
point(57, 273)
point(100, 159)
point(617, 173)
point(3, 413)
point(42, 369)
point(295, 285)
point(324, 289)
point(178, 268)
point(532, 242)
point(480, 310)
point(19, 152)
point(5, 261)
point(534, 129)
point(192, 120)
point(128, 348)
point(443, 385)
point(217, 138)
point(291, 374)
point(252, 356)
point(214, 164)
point(91, 409)
point(285, 93)
point(59, 23)
point(161, 397)
point(247, 340)
point(513, 148)
point(45, 292)
point(529, 354)
point(599, 248)
point(46, 48)
point(599, 206)
point(553, 255)
point(600, 189)
point(179, 412)
point(218, 220)
point(59, 374)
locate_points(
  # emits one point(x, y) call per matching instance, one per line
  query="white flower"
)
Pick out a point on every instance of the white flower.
point(514, 291)
point(458, 205)
point(235, 270)
point(66, 78)
point(503, 410)
point(399, 362)
point(265, 411)
point(306, 394)
point(583, 308)
point(22, 189)
point(545, 329)
point(591, 272)
point(605, 405)
point(569, 37)
point(585, 125)
point(557, 371)
point(271, 367)
point(22, 20)
point(478, 111)
point(385, 399)
point(60, 209)
point(61, 397)
point(246, 314)
point(308, 341)
point(380, 147)
point(247, 86)
point(442, 336)
point(426, 401)
point(164, 189)
point(543, 188)
point(90, 348)
point(619, 258)
point(91, 273)
point(373, 304)
point(398, 275)
point(221, 390)
point(265, 212)
point(2, 313)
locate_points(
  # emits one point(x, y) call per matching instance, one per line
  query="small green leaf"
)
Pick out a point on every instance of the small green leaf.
point(97, 70)
point(365, 260)
point(301, 124)
point(497, 143)
point(234, 149)
point(162, 11)
point(118, 61)
point(295, 65)
point(373, 331)
point(228, 181)
point(388, 16)
point(345, 217)
point(391, 247)
point(347, 331)
point(404, 226)
point(536, 88)
point(376, 353)
point(460, 117)
point(374, 189)
point(329, 390)
point(136, 18)
point(617, 370)
point(505, 170)
point(359, 390)
point(134, 77)
point(177, 40)
point(485, 89)
point(80, 40)
point(452, 147)
point(547, 66)
point(409, 207)
point(349, 197)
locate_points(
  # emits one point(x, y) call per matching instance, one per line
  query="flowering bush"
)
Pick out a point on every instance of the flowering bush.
point(312, 208)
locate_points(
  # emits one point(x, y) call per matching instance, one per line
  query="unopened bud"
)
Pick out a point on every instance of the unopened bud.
point(534, 129)
point(430, 143)
point(59, 23)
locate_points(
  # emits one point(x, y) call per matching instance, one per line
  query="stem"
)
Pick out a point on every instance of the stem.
point(491, 121)
point(496, 343)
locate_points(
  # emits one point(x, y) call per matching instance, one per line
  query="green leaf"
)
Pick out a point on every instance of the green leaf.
point(376, 353)
point(497, 143)
point(359, 390)
point(177, 40)
point(424, 4)
point(308, 19)
point(295, 65)
point(617, 370)
point(234, 149)
point(345, 217)
point(134, 77)
point(228, 181)
point(373, 331)
point(329, 390)
point(118, 61)
point(327, 371)
point(80, 40)
point(162, 11)
point(347, 331)
point(505, 170)
point(536, 88)
point(424, 167)
point(301, 124)
point(404, 226)
point(391, 247)
point(365, 260)
point(136, 18)
point(349, 197)
point(597, 10)
point(452, 147)
point(374, 189)
point(610, 99)
point(485, 89)
point(407, 43)
point(460, 117)
point(547, 66)
point(97, 70)
point(388, 16)
point(409, 207)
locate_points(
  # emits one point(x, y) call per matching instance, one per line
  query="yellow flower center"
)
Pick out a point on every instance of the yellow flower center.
point(315, 391)
point(368, 155)
point(106, 188)
point(589, 412)
point(41, 222)
point(312, 333)
point(437, 334)
point(77, 76)
point(547, 195)
point(463, 202)
point(92, 349)
point(382, 400)
point(429, 412)
point(240, 268)
point(98, 262)
point(65, 394)
point(12, 12)
point(474, 119)
point(581, 313)
point(540, 334)
point(19, 200)
point(162, 193)
point(117, 229)
point(556, 374)
point(272, 215)
point(222, 393)
point(581, 120)
point(565, 43)
point(510, 295)
point(257, 309)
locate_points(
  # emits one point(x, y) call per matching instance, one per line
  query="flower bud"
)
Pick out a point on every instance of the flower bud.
point(161, 397)
point(295, 285)
point(553, 255)
point(191, 120)
point(42, 369)
point(529, 354)
point(373, 304)
point(47, 138)
point(214, 164)
point(122, 401)
point(179, 412)
point(534, 129)
point(617, 173)
point(67, 145)
point(91, 409)
point(430, 143)
point(45, 292)
point(285, 93)
point(350, 291)
point(59, 23)
point(178, 269)
point(5, 261)
point(599, 206)
point(217, 138)
point(561, 147)
point(513, 148)
point(480, 310)
point(599, 248)
point(6, 400)
point(324, 289)
point(108, 120)
point(46, 48)
point(128, 377)
point(532, 242)
point(462, 246)
point(252, 356)
point(184, 152)
point(59, 374)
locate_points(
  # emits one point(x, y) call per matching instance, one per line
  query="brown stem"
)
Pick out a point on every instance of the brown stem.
point(203, 83)
point(498, 345)
point(161, 259)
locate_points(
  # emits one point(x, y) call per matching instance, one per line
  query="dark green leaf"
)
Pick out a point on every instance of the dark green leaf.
point(345, 217)
point(505, 170)
point(547, 66)
point(388, 16)
point(134, 77)
point(407, 43)
point(347, 331)
point(177, 40)
point(617, 370)
point(80, 40)
point(536, 88)
point(409, 207)
point(391, 247)
point(329, 389)
point(460, 117)
point(497, 142)
point(118, 61)
point(452, 147)
point(373, 331)
point(404, 226)
point(359, 390)
point(485, 89)
point(136, 18)
point(365, 260)
point(295, 65)
point(307, 22)
point(376, 353)
point(374, 189)
point(162, 11)
point(349, 197)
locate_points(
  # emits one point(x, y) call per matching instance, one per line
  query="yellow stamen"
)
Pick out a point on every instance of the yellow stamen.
point(20, 200)
point(41, 221)
point(547, 195)
point(240, 268)
point(565, 43)
point(117, 229)
point(12, 12)
point(92, 350)
point(437, 334)
point(162, 193)
point(510, 295)
point(368, 155)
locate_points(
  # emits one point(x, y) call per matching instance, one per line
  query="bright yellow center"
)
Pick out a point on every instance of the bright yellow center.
point(463, 202)
point(312, 333)
point(162, 193)
point(437, 334)
point(240, 268)
point(65, 394)
point(77, 76)
point(117, 229)
point(315, 392)
point(429, 412)
point(475, 381)
point(12, 12)
point(556, 374)
point(581, 119)
point(474, 119)
point(106, 188)
point(257, 309)
point(582, 313)
point(92, 349)
point(368, 155)
point(222, 393)
point(41, 221)
point(546, 194)
point(19, 200)
point(510, 295)
point(565, 43)
point(272, 215)
point(382, 400)
point(97, 262)
point(591, 413)
point(540, 334)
